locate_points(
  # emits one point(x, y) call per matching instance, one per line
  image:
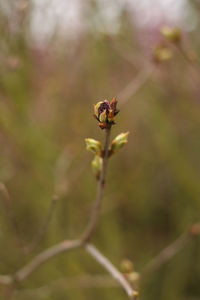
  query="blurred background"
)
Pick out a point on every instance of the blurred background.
point(58, 58)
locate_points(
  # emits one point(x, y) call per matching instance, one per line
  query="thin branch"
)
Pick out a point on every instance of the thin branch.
point(167, 253)
point(44, 256)
point(102, 260)
point(68, 283)
point(44, 228)
point(10, 213)
point(92, 223)
point(135, 85)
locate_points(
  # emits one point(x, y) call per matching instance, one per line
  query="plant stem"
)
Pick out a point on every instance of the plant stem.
point(98, 256)
point(92, 223)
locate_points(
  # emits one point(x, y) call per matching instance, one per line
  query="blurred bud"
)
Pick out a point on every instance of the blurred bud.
point(133, 277)
point(162, 53)
point(172, 34)
point(127, 266)
point(97, 165)
point(93, 146)
point(105, 112)
point(135, 294)
point(195, 229)
point(119, 141)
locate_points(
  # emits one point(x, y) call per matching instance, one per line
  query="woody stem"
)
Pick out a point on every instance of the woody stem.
point(93, 220)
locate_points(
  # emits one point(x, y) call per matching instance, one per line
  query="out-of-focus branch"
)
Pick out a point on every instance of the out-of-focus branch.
point(44, 228)
point(87, 234)
point(43, 257)
point(10, 213)
point(166, 254)
point(67, 283)
point(135, 85)
point(102, 260)
point(170, 251)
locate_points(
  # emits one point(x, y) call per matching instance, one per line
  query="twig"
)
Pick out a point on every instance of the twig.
point(167, 253)
point(44, 228)
point(87, 234)
point(66, 283)
point(135, 85)
point(43, 257)
point(10, 213)
point(102, 260)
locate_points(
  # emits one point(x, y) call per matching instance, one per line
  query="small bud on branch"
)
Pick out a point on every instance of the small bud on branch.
point(105, 112)
point(97, 164)
point(172, 34)
point(162, 53)
point(93, 146)
point(119, 142)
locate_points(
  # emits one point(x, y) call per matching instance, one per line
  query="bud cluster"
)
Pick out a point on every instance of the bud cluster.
point(128, 270)
point(105, 112)
point(163, 51)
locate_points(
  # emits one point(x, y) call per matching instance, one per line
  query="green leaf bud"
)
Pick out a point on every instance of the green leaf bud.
point(127, 266)
point(93, 145)
point(162, 53)
point(97, 164)
point(172, 34)
point(119, 141)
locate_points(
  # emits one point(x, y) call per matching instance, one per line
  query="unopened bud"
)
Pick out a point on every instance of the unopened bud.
point(105, 112)
point(97, 165)
point(172, 34)
point(127, 266)
point(93, 145)
point(135, 294)
point(119, 141)
point(133, 277)
point(162, 53)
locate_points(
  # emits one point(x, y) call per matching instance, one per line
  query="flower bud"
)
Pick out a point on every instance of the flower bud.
point(172, 34)
point(93, 145)
point(97, 165)
point(162, 53)
point(119, 141)
point(133, 277)
point(135, 294)
point(105, 112)
point(127, 266)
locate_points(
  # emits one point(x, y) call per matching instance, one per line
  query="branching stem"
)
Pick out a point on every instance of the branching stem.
point(94, 216)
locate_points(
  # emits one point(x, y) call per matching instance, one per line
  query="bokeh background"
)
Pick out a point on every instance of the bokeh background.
point(57, 59)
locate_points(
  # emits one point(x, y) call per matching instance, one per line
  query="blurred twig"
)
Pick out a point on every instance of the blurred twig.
point(135, 85)
point(28, 249)
point(43, 257)
point(102, 260)
point(10, 213)
point(171, 250)
point(81, 282)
